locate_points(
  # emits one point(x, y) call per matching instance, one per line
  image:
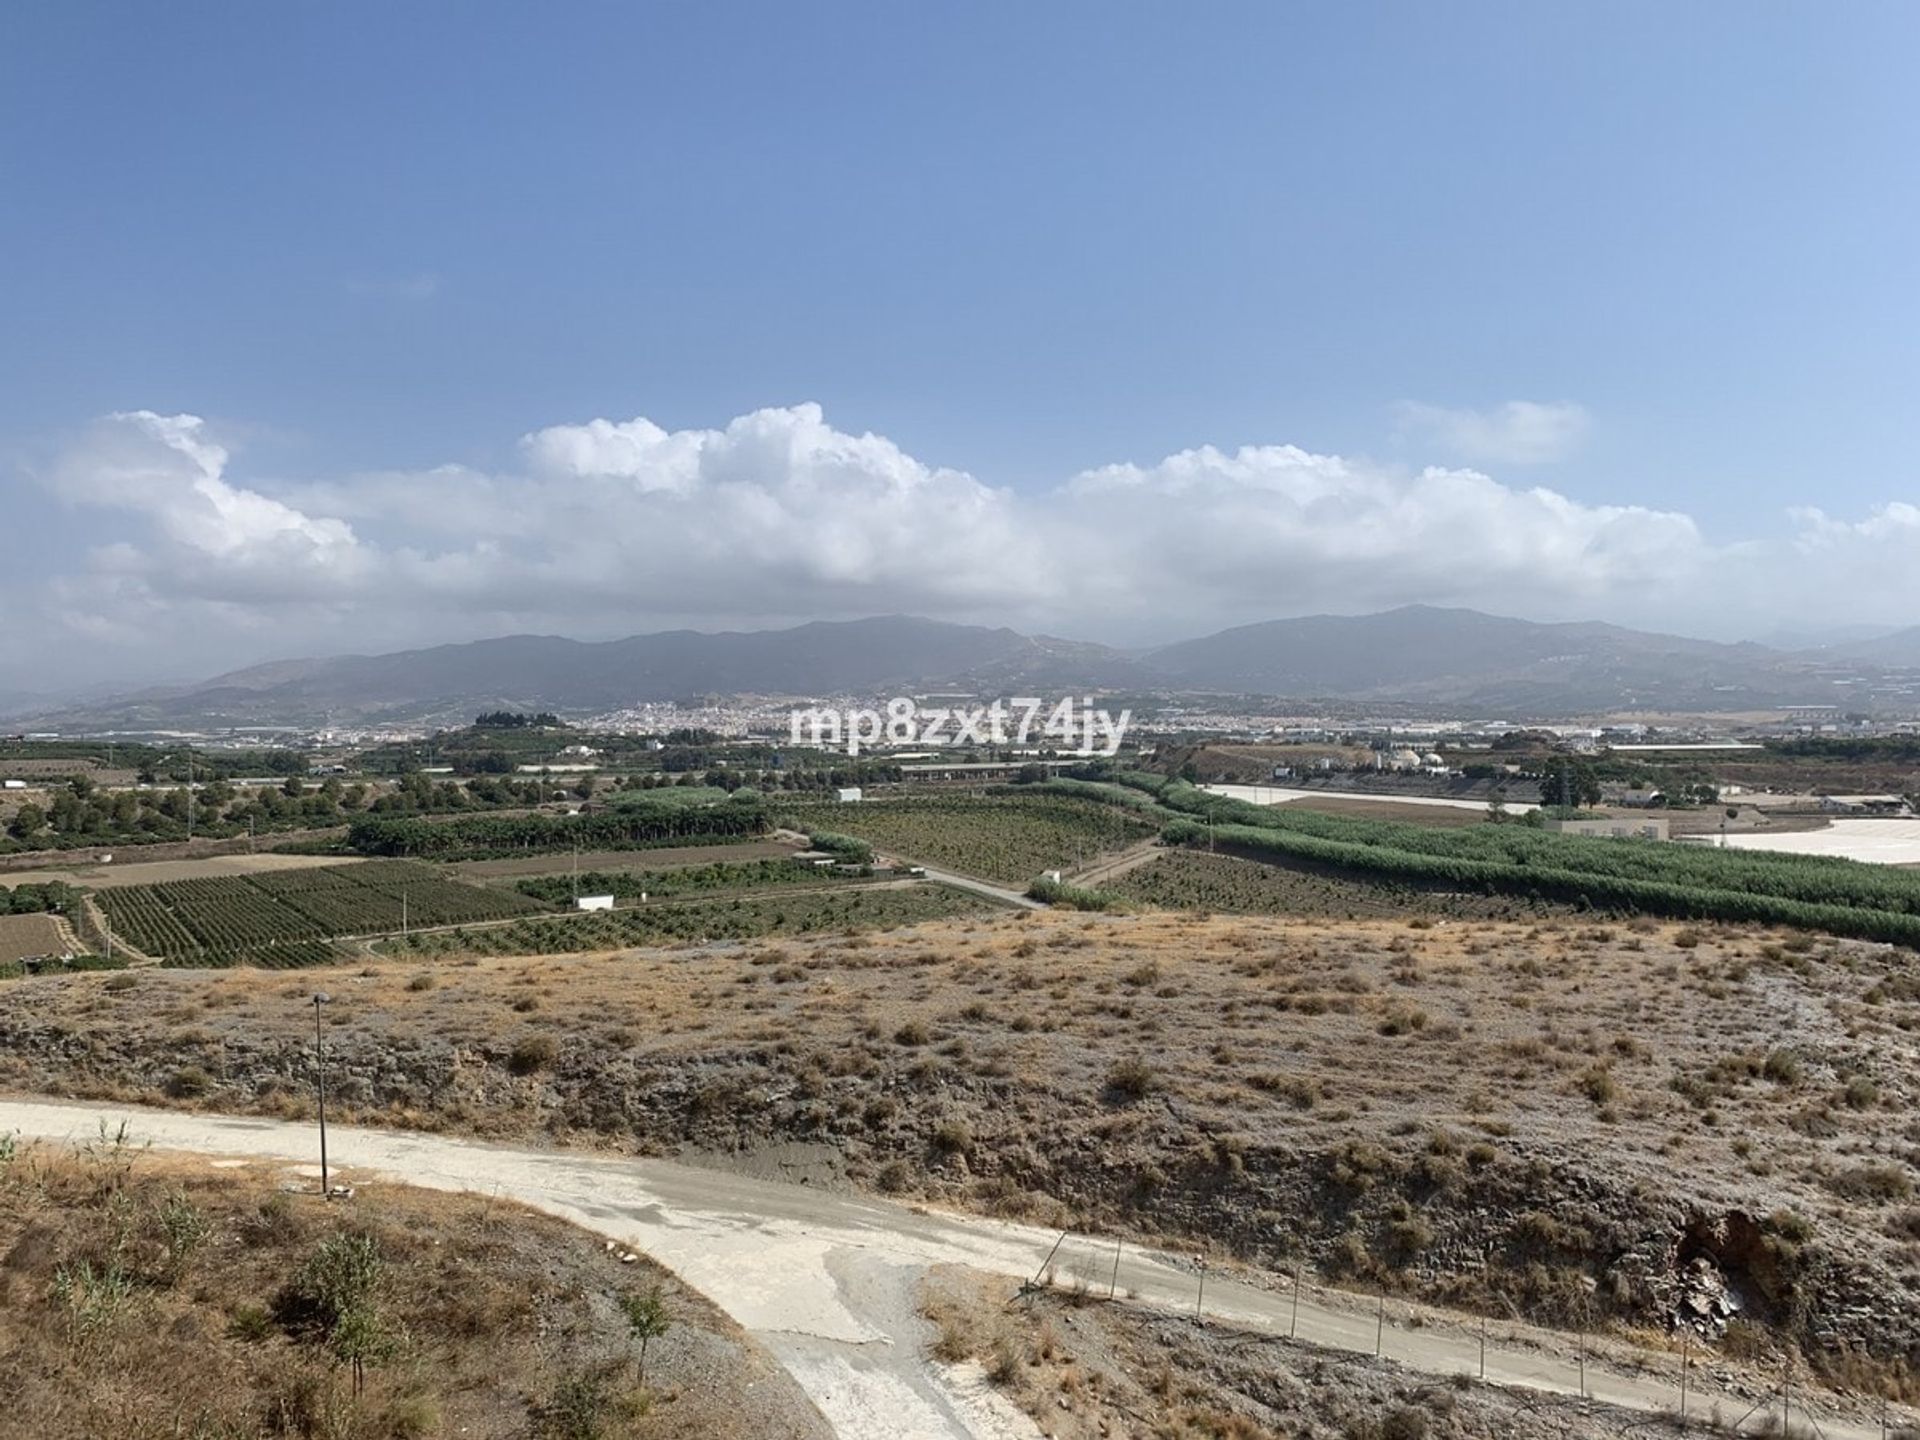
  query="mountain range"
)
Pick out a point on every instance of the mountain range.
point(1459, 659)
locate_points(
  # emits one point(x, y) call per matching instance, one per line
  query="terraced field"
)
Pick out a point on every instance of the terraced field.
point(860, 907)
point(276, 918)
point(1008, 839)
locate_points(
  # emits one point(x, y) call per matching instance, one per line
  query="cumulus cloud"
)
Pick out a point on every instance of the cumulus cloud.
point(608, 527)
point(1520, 432)
point(1301, 530)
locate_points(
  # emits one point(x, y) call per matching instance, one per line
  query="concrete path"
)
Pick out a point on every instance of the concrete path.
point(827, 1281)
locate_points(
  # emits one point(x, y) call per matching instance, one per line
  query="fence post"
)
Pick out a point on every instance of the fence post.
point(1380, 1325)
point(1113, 1285)
point(1293, 1331)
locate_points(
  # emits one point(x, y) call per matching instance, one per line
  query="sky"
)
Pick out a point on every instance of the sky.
point(351, 327)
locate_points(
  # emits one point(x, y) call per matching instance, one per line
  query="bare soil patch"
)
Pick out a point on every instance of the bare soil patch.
point(23, 936)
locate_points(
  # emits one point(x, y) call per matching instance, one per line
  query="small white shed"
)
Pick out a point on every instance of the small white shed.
point(594, 902)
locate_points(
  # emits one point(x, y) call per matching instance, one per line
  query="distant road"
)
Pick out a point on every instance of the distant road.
point(827, 1281)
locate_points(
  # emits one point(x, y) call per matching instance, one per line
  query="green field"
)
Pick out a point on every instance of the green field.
point(637, 822)
point(1843, 897)
point(1194, 880)
point(274, 917)
point(695, 880)
point(858, 907)
point(1006, 838)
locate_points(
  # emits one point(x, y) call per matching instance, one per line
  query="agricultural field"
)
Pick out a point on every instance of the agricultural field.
point(1005, 838)
point(855, 907)
point(274, 918)
point(1226, 884)
point(1842, 897)
point(636, 823)
point(22, 936)
point(688, 881)
point(736, 852)
point(159, 872)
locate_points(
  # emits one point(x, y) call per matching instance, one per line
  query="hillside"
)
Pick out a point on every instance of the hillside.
point(1458, 658)
point(1462, 657)
point(531, 672)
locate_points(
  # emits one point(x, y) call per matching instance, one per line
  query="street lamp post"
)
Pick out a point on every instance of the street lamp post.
point(320, 1056)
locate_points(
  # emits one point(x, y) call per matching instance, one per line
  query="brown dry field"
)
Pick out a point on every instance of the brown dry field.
point(1540, 1119)
point(197, 1324)
point(156, 872)
point(622, 860)
point(24, 935)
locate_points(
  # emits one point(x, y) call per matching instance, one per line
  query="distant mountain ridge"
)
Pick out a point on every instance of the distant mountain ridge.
point(1460, 659)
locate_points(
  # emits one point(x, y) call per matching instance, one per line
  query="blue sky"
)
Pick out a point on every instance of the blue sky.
point(1647, 256)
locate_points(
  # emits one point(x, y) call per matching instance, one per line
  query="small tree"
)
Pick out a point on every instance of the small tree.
point(647, 1319)
point(361, 1338)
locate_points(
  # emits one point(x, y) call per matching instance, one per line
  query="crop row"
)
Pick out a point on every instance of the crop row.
point(1005, 837)
point(1194, 880)
point(233, 915)
point(632, 824)
point(693, 880)
point(1588, 888)
point(1809, 879)
point(858, 908)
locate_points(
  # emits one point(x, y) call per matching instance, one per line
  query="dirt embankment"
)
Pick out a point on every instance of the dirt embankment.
point(1564, 1123)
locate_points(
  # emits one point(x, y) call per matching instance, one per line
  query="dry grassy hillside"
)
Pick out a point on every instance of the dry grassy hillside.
point(143, 1298)
point(1558, 1120)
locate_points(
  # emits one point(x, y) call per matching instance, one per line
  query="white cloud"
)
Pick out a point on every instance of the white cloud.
point(1279, 528)
point(1520, 432)
point(606, 527)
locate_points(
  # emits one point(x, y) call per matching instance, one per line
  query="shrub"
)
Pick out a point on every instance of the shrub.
point(1132, 1079)
point(1871, 1184)
point(339, 1276)
point(1861, 1093)
point(914, 1032)
point(533, 1053)
point(189, 1082)
point(250, 1324)
point(952, 1137)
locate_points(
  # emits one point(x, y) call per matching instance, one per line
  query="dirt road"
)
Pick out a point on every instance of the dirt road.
point(827, 1281)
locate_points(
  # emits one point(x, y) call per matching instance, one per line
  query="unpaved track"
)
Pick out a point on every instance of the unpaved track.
point(981, 887)
point(827, 1281)
point(1112, 867)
